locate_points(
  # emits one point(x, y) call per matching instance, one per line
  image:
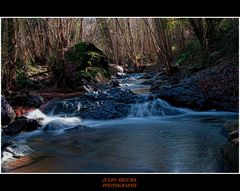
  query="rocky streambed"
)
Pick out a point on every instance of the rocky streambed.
point(122, 127)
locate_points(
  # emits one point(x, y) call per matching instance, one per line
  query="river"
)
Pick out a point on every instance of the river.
point(148, 140)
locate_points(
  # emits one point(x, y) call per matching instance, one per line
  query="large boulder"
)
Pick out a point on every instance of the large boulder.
point(85, 61)
point(212, 88)
point(7, 112)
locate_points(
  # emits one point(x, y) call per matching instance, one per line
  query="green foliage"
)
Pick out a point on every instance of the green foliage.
point(173, 23)
point(224, 47)
point(91, 72)
point(191, 53)
point(181, 59)
point(228, 38)
point(86, 54)
point(21, 79)
point(227, 25)
point(94, 57)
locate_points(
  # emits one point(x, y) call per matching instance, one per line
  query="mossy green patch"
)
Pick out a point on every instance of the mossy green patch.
point(88, 62)
point(90, 73)
point(86, 54)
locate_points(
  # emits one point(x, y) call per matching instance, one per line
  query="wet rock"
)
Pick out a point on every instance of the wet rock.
point(233, 135)
point(7, 112)
point(21, 111)
point(147, 76)
point(107, 104)
point(115, 69)
point(13, 155)
point(27, 100)
point(18, 150)
point(212, 88)
point(161, 76)
point(6, 141)
point(106, 109)
point(22, 124)
point(184, 96)
point(229, 126)
point(88, 88)
point(61, 124)
point(230, 154)
point(77, 128)
point(157, 84)
point(115, 83)
point(35, 101)
point(148, 82)
point(53, 126)
point(230, 150)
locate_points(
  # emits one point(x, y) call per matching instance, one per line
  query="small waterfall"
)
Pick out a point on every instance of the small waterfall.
point(54, 122)
point(62, 107)
point(157, 107)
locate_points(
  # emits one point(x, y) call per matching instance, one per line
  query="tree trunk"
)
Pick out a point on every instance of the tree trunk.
point(8, 54)
point(105, 32)
point(198, 28)
point(164, 41)
point(80, 30)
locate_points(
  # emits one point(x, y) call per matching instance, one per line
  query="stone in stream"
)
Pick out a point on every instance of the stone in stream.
point(5, 141)
point(148, 82)
point(147, 76)
point(107, 104)
point(77, 128)
point(15, 155)
point(7, 112)
point(21, 124)
point(106, 109)
point(12, 153)
point(230, 150)
point(233, 135)
point(67, 124)
point(157, 84)
point(115, 69)
point(35, 101)
point(115, 83)
point(229, 126)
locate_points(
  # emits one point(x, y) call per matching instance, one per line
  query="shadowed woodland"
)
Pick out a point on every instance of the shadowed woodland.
point(32, 47)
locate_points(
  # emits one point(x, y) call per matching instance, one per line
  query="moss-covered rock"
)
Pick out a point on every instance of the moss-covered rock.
point(86, 61)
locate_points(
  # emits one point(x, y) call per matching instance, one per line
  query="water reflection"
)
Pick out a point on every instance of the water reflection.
point(155, 144)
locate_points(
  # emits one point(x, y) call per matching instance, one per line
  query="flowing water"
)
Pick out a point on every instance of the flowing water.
point(155, 137)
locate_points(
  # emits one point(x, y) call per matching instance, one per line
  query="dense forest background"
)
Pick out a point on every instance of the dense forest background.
point(32, 46)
